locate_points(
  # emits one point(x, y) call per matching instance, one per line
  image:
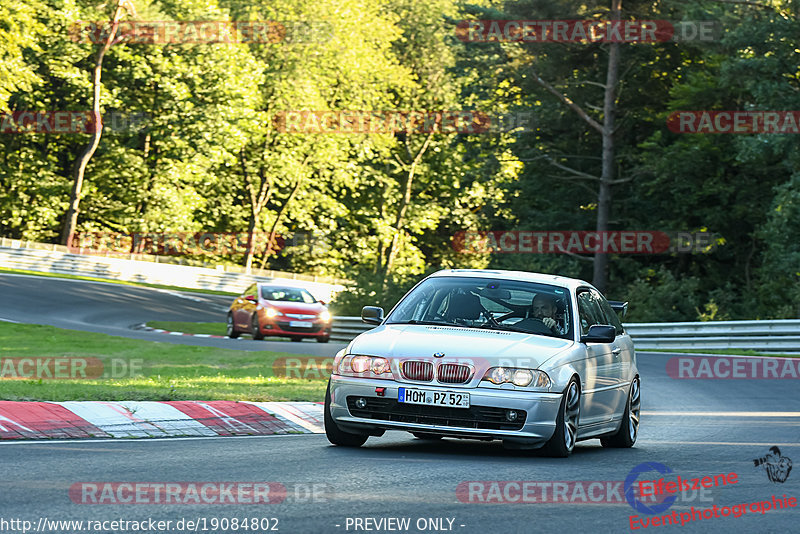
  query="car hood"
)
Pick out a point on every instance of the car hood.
point(490, 347)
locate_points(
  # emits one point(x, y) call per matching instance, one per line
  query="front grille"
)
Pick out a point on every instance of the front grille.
point(453, 373)
point(284, 325)
point(482, 417)
point(419, 371)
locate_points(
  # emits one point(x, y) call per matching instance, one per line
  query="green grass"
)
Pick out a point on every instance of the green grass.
point(217, 329)
point(120, 282)
point(728, 352)
point(165, 371)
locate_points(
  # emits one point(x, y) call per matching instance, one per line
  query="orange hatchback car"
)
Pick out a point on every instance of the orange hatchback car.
point(273, 310)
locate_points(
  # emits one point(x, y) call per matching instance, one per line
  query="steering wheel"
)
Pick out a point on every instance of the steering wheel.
point(534, 326)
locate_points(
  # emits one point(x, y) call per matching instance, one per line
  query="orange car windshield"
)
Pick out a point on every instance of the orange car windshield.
point(287, 294)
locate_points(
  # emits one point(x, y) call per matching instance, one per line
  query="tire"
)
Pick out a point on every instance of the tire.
point(625, 437)
point(334, 434)
point(563, 441)
point(255, 328)
point(323, 339)
point(230, 328)
point(297, 339)
point(427, 437)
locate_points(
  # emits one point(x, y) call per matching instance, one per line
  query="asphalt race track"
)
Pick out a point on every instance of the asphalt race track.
point(696, 428)
point(399, 476)
point(113, 309)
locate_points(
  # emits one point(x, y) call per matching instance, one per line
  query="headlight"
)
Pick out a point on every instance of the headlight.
point(360, 364)
point(364, 366)
point(272, 312)
point(518, 377)
point(498, 375)
point(522, 377)
point(325, 316)
point(380, 366)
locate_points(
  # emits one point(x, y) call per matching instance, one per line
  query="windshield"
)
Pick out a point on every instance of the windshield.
point(488, 303)
point(287, 294)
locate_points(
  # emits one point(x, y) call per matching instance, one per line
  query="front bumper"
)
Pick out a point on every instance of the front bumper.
point(479, 422)
point(281, 327)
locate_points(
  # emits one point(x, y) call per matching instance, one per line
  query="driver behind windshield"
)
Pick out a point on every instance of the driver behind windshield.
point(544, 308)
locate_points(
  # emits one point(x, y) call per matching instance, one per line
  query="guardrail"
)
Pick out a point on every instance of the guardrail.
point(347, 328)
point(763, 336)
point(24, 255)
point(781, 336)
point(6, 242)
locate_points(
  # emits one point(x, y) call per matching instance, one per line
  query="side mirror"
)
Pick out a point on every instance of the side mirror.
point(321, 302)
point(620, 307)
point(600, 333)
point(372, 315)
point(250, 298)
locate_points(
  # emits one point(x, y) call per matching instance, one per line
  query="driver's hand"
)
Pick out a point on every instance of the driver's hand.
point(549, 322)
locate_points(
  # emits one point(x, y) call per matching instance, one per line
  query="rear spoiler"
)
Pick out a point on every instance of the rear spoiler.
point(620, 307)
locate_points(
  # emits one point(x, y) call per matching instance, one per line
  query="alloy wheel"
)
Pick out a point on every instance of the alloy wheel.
point(635, 407)
point(572, 409)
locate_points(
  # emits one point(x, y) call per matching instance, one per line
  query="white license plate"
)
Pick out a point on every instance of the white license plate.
point(301, 324)
point(452, 399)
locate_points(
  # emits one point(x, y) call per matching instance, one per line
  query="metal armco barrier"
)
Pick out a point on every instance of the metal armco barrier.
point(781, 336)
point(15, 254)
point(347, 328)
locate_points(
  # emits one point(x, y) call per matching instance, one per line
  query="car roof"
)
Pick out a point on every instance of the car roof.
point(562, 281)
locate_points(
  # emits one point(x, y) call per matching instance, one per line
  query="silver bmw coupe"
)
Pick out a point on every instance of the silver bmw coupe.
point(533, 360)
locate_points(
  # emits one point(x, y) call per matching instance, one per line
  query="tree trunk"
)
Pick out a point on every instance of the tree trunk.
point(400, 220)
point(71, 220)
point(600, 274)
point(257, 202)
point(271, 237)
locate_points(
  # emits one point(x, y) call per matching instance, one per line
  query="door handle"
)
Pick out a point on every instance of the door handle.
point(616, 352)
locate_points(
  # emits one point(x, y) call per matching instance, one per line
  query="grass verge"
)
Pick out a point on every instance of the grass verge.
point(112, 281)
point(216, 329)
point(134, 369)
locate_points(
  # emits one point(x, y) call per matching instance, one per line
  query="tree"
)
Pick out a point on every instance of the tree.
point(71, 221)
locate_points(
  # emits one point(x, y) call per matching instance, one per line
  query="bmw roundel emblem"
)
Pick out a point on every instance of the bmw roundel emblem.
point(438, 354)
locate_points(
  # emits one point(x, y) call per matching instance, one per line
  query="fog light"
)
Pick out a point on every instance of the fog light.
point(511, 415)
point(361, 403)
